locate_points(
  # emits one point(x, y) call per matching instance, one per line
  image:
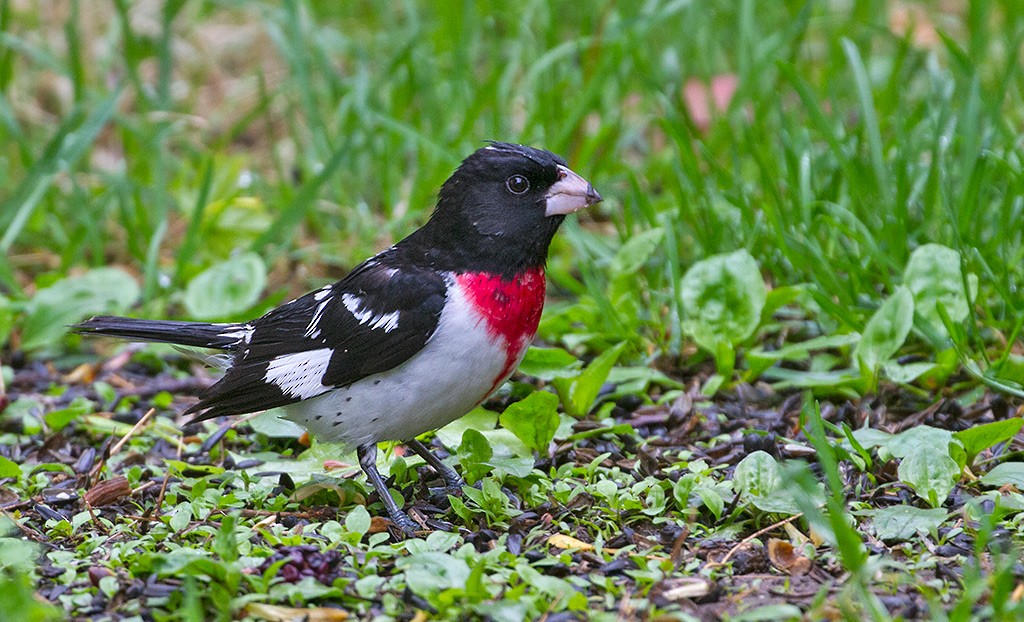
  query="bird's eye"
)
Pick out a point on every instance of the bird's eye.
point(517, 184)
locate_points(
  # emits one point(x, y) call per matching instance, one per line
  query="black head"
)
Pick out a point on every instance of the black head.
point(500, 209)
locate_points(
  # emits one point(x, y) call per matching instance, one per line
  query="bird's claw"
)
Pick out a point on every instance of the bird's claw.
point(443, 492)
point(405, 524)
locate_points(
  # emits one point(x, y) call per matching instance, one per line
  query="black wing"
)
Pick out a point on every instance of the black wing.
point(374, 319)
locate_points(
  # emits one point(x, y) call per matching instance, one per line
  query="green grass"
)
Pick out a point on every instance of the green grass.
point(164, 140)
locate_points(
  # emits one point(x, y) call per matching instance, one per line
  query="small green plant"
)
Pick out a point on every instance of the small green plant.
point(722, 299)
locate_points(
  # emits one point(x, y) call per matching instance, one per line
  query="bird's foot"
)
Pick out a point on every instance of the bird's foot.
point(441, 493)
point(408, 527)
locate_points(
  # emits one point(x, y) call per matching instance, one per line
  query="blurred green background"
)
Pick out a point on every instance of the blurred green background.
point(829, 139)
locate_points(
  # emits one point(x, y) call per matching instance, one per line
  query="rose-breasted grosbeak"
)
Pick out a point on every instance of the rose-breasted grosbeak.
point(414, 337)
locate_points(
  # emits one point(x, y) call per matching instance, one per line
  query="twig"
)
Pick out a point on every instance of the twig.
point(95, 520)
point(752, 536)
point(17, 505)
point(148, 484)
point(135, 428)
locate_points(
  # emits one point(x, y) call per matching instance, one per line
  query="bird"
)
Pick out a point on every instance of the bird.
point(412, 338)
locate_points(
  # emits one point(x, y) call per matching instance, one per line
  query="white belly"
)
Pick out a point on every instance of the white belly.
point(455, 371)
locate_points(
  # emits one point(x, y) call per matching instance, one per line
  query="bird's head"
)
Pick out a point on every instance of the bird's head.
point(507, 201)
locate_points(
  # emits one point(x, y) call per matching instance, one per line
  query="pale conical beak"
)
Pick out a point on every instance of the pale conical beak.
point(570, 193)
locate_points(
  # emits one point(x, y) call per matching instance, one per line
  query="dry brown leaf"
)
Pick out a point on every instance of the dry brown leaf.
point(795, 535)
point(563, 541)
point(378, 524)
point(786, 558)
point(108, 491)
point(277, 613)
point(816, 538)
point(84, 373)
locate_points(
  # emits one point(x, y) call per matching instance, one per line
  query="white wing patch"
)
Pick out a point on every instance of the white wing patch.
point(300, 374)
point(387, 321)
point(313, 329)
point(243, 333)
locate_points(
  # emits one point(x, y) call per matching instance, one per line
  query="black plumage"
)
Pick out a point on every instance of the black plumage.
point(382, 285)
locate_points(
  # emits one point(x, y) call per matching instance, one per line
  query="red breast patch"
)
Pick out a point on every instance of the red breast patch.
point(510, 308)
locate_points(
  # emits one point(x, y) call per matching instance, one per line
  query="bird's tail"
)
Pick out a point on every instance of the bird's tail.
point(193, 334)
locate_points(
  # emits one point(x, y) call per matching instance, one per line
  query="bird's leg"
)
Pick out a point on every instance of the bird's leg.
point(453, 482)
point(368, 460)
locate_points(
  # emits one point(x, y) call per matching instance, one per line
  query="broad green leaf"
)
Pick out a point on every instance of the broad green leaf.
point(711, 499)
point(870, 437)
point(903, 522)
point(357, 520)
point(516, 466)
point(479, 419)
point(474, 453)
point(225, 543)
point(905, 374)
point(503, 443)
point(72, 299)
point(981, 437)
point(310, 463)
point(758, 479)
point(934, 277)
point(758, 474)
point(885, 332)
point(549, 363)
point(579, 394)
point(9, 468)
point(226, 289)
point(722, 298)
point(533, 420)
point(181, 516)
point(17, 554)
point(273, 423)
point(1011, 473)
point(632, 255)
point(924, 438)
point(779, 503)
point(78, 407)
point(932, 474)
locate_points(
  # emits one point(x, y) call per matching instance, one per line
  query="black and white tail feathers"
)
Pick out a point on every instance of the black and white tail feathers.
point(191, 334)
